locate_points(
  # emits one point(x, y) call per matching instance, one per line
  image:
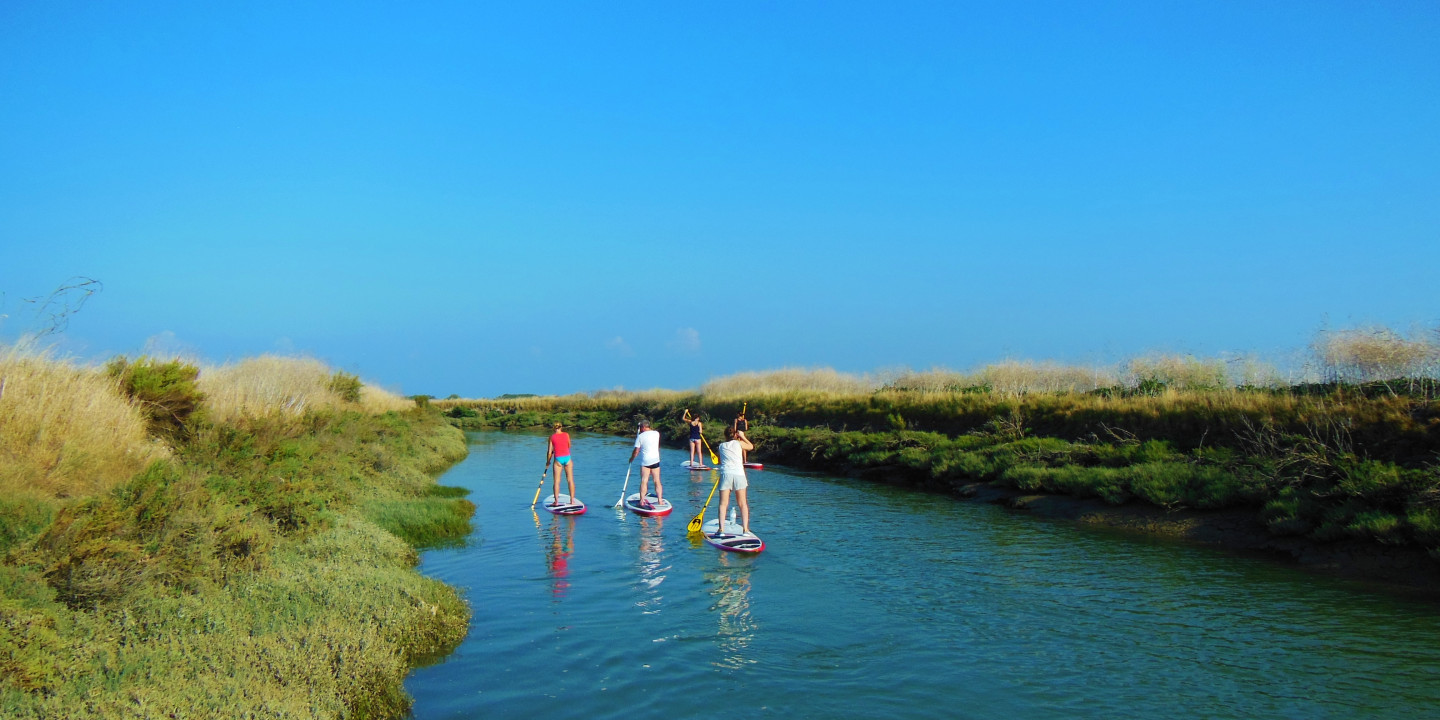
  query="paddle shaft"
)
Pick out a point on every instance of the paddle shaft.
point(713, 458)
point(541, 486)
point(699, 520)
point(625, 487)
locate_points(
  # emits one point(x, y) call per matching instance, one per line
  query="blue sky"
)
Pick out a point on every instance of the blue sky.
point(480, 198)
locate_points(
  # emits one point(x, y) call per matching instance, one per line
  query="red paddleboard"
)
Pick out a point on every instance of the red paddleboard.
point(566, 505)
point(654, 509)
point(754, 466)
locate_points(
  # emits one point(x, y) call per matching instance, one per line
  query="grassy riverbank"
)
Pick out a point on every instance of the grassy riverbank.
point(1324, 461)
point(217, 542)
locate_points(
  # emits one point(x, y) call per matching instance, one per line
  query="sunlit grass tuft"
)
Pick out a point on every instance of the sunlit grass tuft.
point(281, 385)
point(788, 380)
point(66, 430)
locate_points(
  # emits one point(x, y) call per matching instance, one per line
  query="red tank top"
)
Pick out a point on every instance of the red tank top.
point(561, 442)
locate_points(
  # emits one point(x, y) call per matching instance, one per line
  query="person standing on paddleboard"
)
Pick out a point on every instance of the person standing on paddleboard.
point(732, 476)
point(647, 446)
point(742, 425)
point(697, 458)
point(558, 448)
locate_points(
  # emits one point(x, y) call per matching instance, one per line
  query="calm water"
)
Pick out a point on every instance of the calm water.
point(871, 601)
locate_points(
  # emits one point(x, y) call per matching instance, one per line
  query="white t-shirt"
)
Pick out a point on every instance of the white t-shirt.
point(732, 457)
point(649, 444)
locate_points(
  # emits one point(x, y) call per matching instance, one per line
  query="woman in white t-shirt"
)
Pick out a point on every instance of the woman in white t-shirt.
point(732, 476)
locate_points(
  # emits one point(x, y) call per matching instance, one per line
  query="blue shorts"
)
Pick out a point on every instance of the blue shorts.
point(563, 460)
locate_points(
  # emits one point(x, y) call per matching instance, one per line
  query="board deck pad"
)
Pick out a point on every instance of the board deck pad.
point(732, 539)
point(660, 508)
point(566, 506)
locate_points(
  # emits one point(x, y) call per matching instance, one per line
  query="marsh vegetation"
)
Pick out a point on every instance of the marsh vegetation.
point(234, 541)
point(1345, 447)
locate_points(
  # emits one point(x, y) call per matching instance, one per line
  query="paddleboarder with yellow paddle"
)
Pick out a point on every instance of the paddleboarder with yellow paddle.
point(732, 476)
point(697, 436)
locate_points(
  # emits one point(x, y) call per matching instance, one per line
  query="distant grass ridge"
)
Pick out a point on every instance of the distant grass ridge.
point(263, 566)
point(1326, 461)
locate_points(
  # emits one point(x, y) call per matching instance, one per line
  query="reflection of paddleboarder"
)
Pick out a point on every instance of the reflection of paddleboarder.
point(696, 432)
point(647, 446)
point(732, 476)
point(558, 449)
point(557, 557)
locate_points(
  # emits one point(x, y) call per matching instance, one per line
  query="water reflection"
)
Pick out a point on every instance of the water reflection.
point(559, 546)
point(651, 563)
point(730, 587)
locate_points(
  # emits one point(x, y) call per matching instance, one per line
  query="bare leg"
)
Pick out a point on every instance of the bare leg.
point(558, 470)
point(570, 475)
point(644, 483)
point(724, 503)
point(744, 510)
point(659, 491)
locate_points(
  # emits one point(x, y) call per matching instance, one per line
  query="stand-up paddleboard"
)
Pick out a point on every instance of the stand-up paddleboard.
point(656, 509)
point(754, 466)
point(695, 466)
point(566, 506)
point(732, 539)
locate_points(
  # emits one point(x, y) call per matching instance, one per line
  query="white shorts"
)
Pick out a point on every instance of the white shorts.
point(733, 481)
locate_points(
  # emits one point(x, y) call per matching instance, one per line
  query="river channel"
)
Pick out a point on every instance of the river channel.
point(873, 601)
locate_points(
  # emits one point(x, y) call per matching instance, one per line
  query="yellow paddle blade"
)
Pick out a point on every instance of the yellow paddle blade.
point(695, 524)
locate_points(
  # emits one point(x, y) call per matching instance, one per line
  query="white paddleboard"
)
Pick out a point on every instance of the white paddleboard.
point(566, 505)
point(732, 539)
point(655, 509)
point(694, 466)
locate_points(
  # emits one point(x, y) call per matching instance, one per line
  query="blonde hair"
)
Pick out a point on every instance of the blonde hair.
point(557, 427)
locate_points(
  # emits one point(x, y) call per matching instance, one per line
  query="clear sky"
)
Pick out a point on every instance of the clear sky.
point(480, 198)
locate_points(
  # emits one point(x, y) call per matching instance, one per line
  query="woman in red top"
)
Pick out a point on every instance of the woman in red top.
point(558, 449)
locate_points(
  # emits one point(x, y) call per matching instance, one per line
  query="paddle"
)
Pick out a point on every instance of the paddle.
point(713, 460)
point(621, 501)
point(541, 486)
point(699, 520)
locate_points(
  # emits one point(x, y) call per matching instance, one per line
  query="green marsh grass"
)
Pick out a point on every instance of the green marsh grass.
point(259, 564)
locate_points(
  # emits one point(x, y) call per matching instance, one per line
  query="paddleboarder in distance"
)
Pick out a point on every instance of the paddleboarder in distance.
point(558, 449)
point(697, 459)
point(647, 446)
point(732, 476)
point(742, 425)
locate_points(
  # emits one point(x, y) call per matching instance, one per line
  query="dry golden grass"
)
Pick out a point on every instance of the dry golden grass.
point(275, 384)
point(599, 400)
point(1179, 372)
point(66, 430)
point(788, 380)
point(375, 399)
point(1376, 353)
